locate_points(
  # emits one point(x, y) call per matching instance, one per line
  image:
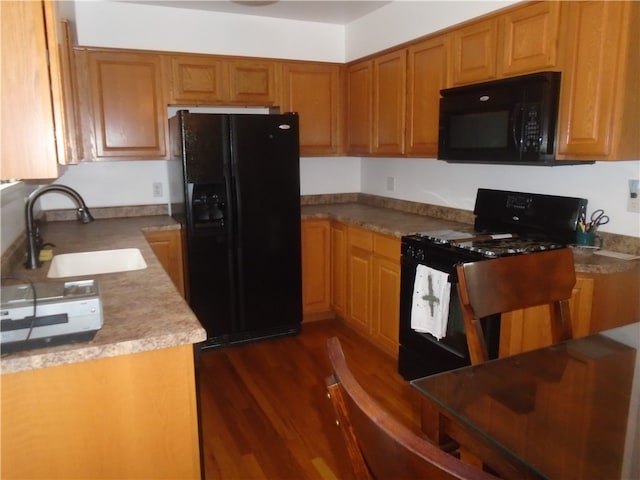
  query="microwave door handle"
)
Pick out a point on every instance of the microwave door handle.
point(516, 115)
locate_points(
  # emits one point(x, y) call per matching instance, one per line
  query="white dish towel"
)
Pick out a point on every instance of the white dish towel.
point(430, 306)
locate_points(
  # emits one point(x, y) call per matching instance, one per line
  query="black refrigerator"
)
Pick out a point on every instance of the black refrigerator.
point(234, 182)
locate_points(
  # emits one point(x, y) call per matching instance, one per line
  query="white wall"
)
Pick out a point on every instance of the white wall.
point(128, 25)
point(12, 220)
point(140, 26)
point(404, 20)
point(603, 184)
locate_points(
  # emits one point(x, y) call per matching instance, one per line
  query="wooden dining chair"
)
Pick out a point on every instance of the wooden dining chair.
point(379, 446)
point(504, 284)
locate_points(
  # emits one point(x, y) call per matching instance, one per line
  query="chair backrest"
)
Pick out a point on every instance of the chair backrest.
point(505, 284)
point(378, 445)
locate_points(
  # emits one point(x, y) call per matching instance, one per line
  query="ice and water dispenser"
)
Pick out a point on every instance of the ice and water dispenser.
point(208, 206)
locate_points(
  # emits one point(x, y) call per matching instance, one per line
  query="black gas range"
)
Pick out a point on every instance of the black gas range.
point(506, 223)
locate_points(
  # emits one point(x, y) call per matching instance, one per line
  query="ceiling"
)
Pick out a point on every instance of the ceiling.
point(324, 11)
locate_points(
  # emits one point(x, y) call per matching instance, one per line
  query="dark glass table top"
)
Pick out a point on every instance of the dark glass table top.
point(566, 411)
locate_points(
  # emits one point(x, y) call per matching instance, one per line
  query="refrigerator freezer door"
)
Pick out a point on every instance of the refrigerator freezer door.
point(201, 142)
point(266, 182)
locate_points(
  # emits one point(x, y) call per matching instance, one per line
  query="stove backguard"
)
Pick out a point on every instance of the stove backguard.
point(548, 217)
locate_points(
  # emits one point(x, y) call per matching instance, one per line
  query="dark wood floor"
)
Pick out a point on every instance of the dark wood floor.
point(265, 414)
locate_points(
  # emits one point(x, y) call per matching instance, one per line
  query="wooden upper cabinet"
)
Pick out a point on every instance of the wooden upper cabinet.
point(359, 107)
point(73, 134)
point(214, 80)
point(474, 52)
point(196, 79)
point(529, 38)
point(128, 106)
point(389, 99)
point(427, 74)
point(32, 125)
point(599, 112)
point(313, 91)
point(252, 82)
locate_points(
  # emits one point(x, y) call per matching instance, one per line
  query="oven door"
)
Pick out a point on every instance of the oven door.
point(421, 354)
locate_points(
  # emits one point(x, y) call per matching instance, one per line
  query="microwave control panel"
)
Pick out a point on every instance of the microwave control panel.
point(531, 139)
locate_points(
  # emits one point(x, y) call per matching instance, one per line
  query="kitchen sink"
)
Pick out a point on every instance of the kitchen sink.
point(94, 263)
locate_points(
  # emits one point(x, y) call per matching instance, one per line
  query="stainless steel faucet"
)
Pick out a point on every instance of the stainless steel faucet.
point(34, 241)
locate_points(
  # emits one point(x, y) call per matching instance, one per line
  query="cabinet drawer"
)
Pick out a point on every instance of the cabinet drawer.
point(361, 238)
point(386, 246)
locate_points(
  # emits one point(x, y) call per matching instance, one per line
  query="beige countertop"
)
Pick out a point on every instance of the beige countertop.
point(142, 309)
point(397, 223)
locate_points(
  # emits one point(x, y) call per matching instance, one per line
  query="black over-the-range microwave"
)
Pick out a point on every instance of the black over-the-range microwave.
point(510, 121)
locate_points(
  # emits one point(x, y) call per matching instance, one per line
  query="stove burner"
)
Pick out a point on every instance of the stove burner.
point(504, 247)
point(488, 245)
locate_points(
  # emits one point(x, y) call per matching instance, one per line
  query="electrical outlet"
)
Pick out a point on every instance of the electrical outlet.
point(391, 184)
point(157, 189)
point(633, 202)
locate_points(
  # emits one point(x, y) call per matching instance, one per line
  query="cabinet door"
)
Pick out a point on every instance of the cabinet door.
point(359, 107)
point(389, 87)
point(529, 328)
point(427, 75)
point(339, 268)
point(252, 82)
point(313, 91)
point(73, 421)
point(474, 52)
point(599, 113)
point(167, 246)
point(128, 106)
point(529, 39)
point(196, 79)
point(74, 143)
point(360, 243)
point(316, 274)
point(32, 122)
point(385, 297)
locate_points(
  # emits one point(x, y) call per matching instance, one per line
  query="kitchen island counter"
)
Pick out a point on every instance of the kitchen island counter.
point(142, 309)
point(129, 394)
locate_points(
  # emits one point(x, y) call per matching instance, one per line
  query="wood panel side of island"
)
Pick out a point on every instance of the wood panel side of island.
point(128, 416)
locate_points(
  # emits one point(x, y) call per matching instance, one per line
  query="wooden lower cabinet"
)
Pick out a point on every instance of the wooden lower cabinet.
point(359, 267)
point(129, 416)
point(385, 298)
point(339, 268)
point(354, 274)
point(373, 286)
point(316, 269)
point(599, 302)
point(167, 245)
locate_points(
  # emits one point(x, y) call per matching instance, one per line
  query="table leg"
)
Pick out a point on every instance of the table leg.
point(431, 424)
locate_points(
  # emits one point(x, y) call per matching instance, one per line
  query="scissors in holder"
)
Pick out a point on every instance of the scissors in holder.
point(598, 218)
